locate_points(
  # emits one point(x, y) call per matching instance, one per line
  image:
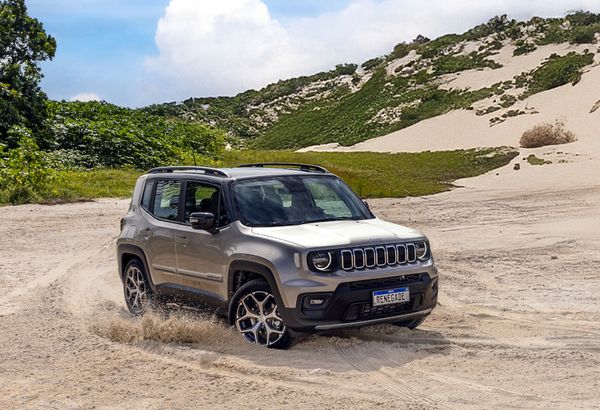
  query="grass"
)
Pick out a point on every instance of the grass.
point(371, 175)
point(381, 175)
point(556, 71)
point(346, 118)
point(533, 160)
point(81, 185)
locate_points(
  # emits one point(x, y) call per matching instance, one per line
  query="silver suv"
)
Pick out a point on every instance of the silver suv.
point(280, 249)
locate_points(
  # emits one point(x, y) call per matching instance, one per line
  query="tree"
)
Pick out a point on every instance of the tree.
point(23, 44)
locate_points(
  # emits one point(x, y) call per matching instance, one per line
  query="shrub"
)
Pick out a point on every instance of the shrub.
point(585, 34)
point(556, 71)
point(24, 174)
point(546, 134)
point(523, 47)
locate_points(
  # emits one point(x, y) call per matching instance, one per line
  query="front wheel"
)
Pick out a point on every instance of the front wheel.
point(256, 316)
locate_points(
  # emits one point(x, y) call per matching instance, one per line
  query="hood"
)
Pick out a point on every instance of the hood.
point(340, 233)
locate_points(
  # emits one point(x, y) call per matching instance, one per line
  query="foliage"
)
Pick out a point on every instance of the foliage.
point(347, 119)
point(23, 43)
point(523, 47)
point(585, 34)
point(396, 175)
point(554, 72)
point(546, 134)
point(24, 175)
point(533, 160)
point(456, 63)
point(98, 134)
point(372, 63)
point(322, 108)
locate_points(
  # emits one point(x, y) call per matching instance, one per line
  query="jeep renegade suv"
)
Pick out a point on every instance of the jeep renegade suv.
point(280, 249)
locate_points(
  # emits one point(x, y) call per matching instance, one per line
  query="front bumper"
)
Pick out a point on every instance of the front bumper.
point(350, 305)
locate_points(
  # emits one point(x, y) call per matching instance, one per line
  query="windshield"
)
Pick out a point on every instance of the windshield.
point(295, 200)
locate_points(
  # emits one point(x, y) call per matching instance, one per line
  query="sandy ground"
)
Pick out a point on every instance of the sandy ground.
point(518, 323)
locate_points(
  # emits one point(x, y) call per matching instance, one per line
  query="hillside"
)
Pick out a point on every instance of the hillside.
point(415, 82)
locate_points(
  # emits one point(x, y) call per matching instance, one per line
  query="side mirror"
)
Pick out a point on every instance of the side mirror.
point(203, 221)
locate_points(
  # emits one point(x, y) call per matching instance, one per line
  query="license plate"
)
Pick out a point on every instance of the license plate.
point(389, 296)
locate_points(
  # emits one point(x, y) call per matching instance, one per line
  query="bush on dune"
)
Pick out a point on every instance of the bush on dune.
point(547, 134)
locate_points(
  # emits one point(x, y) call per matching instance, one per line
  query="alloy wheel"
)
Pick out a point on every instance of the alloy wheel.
point(136, 291)
point(257, 318)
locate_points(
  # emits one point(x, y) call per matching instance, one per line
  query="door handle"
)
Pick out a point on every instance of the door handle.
point(182, 239)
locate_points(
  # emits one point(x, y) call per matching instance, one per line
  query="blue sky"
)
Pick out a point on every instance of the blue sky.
point(102, 44)
point(117, 51)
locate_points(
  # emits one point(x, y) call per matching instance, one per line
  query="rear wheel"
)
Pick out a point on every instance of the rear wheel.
point(410, 324)
point(256, 316)
point(136, 288)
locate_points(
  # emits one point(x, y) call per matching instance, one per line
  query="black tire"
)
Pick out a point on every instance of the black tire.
point(254, 313)
point(410, 324)
point(136, 289)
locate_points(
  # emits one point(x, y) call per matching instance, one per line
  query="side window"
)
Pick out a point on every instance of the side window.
point(166, 200)
point(204, 198)
point(147, 196)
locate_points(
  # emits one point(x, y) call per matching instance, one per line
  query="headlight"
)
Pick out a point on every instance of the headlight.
point(321, 261)
point(422, 249)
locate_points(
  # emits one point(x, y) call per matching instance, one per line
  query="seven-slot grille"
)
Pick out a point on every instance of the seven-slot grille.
point(378, 256)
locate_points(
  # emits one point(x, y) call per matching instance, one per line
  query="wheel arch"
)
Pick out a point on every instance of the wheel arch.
point(128, 252)
point(253, 270)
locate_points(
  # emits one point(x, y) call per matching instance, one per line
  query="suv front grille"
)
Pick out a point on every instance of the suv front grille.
point(378, 256)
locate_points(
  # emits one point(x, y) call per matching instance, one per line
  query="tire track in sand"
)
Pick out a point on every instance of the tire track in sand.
point(365, 365)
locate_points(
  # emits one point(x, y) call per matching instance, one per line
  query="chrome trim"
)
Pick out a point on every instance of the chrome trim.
point(426, 251)
point(414, 251)
point(374, 321)
point(395, 254)
point(354, 251)
point(330, 254)
point(387, 255)
point(346, 251)
point(384, 256)
point(367, 250)
point(164, 268)
point(403, 247)
point(208, 276)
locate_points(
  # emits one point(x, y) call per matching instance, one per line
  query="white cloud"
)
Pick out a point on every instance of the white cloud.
point(85, 97)
point(215, 47)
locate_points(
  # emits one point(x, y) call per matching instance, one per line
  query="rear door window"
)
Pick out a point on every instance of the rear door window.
point(166, 200)
point(147, 197)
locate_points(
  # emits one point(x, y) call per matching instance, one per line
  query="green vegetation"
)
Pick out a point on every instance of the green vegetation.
point(396, 175)
point(533, 160)
point(523, 47)
point(23, 44)
point(346, 118)
point(98, 134)
point(556, 71)
point(456, 63)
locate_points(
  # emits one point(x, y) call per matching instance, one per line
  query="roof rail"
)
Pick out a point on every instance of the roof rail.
point(301, 167)
point(205, 170)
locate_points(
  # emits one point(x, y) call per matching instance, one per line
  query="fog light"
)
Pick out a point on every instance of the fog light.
point(315, 302)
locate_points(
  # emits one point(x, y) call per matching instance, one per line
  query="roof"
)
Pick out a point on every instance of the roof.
point(233, 173)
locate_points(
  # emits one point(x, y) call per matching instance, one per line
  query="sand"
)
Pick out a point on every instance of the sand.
point(462, 129)
point(518, 323)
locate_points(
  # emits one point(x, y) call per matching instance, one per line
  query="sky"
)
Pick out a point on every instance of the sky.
point(140, 52)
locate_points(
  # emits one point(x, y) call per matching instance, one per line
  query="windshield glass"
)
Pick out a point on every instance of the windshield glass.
point(295, 200)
